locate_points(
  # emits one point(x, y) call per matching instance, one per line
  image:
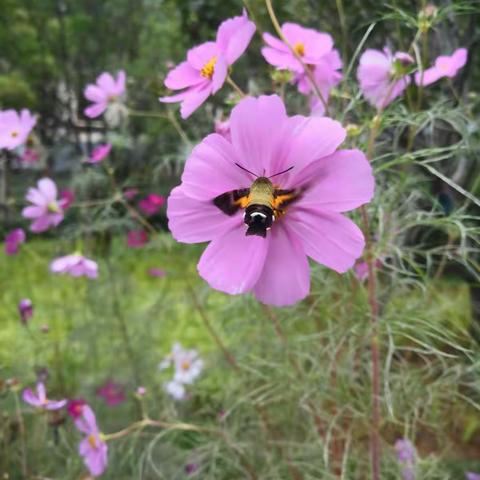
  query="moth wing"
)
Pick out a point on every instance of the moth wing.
point(282, 198)
point(230, 202)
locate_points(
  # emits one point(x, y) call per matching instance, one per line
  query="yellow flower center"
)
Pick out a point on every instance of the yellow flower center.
point(92, 441)
point(209, 68)
point(185, 365)
point(299, 49)
point(53, 208)
point(14, 134)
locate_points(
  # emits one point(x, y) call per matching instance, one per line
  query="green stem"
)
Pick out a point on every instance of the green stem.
point(235, 86)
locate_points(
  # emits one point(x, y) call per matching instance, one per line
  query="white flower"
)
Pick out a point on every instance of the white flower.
point(188, 365)
point(175, 390)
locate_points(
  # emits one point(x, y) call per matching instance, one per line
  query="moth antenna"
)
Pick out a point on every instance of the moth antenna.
point(279, 173)
point(243, 168)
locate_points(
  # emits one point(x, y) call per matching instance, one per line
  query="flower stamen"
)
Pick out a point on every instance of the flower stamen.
point(209, 68)
point(299, 49)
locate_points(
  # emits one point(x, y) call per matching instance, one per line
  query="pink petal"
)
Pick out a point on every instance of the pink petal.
point(95, 110)
point(198, 56)
point(183, 76)
point(95, 94)
point(41, 224)
point(36, 197)
point(219, 74)
point(48, 189)
point(430, 75)
point(194, 99)
point(55, 404)
point(120, 83)
point(33, 212)
point(340, 182)
point(193, 221)
point(281, 60)
point(87, 422)
point(257, 130)
point(328, 237)
point(233, 37)
point(42, 394)
point(285, 278)
point(210, 170)
point(106, 82)
point(275, 43)
point(29, 397)
point(233, 262)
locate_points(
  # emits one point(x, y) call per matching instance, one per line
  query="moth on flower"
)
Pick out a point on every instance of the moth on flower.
point(269, 198)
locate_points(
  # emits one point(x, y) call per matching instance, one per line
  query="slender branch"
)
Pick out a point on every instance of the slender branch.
point(305, 67)
point(235, 86)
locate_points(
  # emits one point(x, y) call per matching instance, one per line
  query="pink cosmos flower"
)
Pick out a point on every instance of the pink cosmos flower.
point(75, 407)
point(13, 239)
point(40, 399)
point(45, 209)
point(151, 204)
point(92, 448)
point(105, 91)
point(445, 66)
point(381, 76)
point(29, 156)
point(113, 393)
point(309, 44)
point(67, 197)
point(156, 272)
point(137, 238)
point(99, 153)
point(25, 309)
point(15, 128)
point(472, 476)
point(205, 69)
point(75, 265)
point(313, 184)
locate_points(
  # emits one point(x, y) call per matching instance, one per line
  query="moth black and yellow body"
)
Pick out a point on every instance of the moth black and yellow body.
point(263, 204)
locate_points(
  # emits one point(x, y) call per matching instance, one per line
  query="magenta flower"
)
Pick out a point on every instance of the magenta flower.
point(156, 272)
point(15, 128)
point(40, 399)
point(298, 212)
point(92, 448)
point(113, 393)
point(13, 239)
point(445, 66)
point(67, 197)
point(99, 153)
point(45, 209)
point(151, 204)
point(75, 407)
point(25, 309)
point(75, 265)
point(309, 44)
point(205, 69)
point(105, 91)
point(382, 76)
point(29, 156)
point(137, 238)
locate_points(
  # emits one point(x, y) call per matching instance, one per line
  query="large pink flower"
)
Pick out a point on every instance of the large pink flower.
point(15, 128)
point(445, 66)
point(105, 91)
point(75, 265)
point(320, 184)
point(40, 399)
point(309, 44)
point(92, 448)
point(380, 76)
point(46, 210)
point(205, 70)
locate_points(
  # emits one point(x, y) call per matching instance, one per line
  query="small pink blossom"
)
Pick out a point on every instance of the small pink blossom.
point(13, 239)
point(105, 91)
point(45, 210)
point(99, 153)
point(67, 197)
point(361, 269)
point(382, 76)
point(130, 193)
point(113, 393)
point(137, 238)
point(141, 391)
point(206, 67)
point(75, 265)
point(15, 128)
point(156, 272)
point(151, 204)
point(187, 364)
point(25, 309)
point(29, 156)
point(445, 66)
point(40, 399)
point(93, 447)
point(310, 45)
point(248, 246)
point(75, 407)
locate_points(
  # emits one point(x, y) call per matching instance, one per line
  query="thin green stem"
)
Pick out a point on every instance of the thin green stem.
point(235, 86)
point(21, 426)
